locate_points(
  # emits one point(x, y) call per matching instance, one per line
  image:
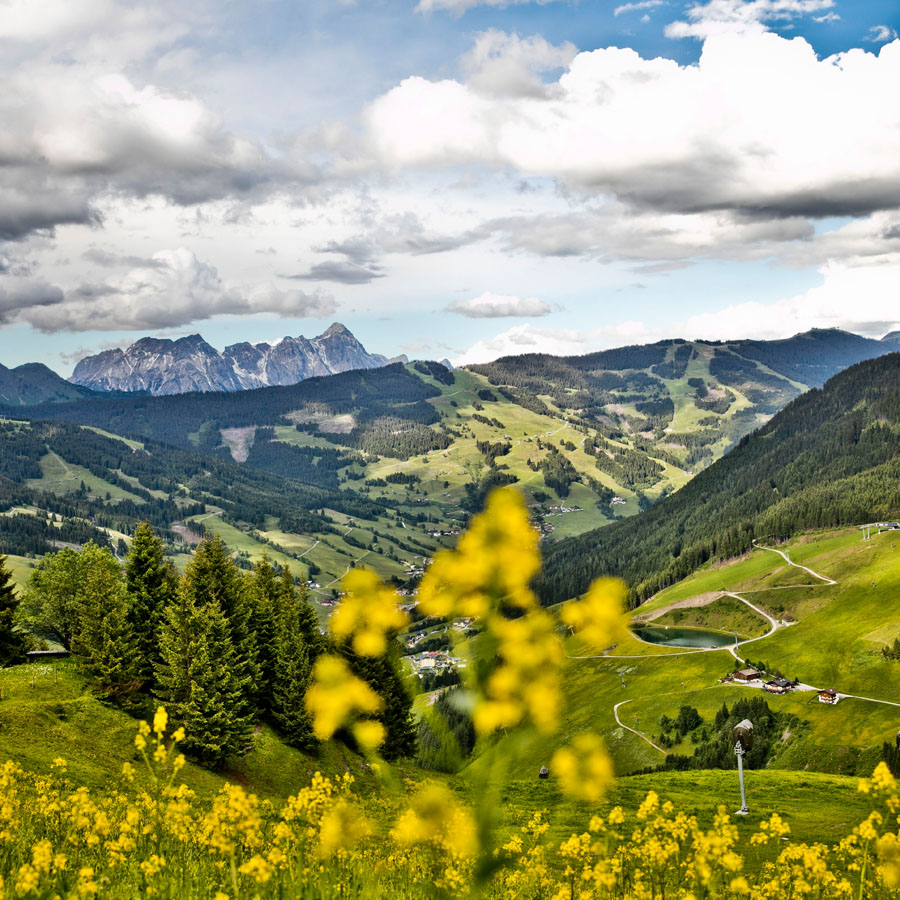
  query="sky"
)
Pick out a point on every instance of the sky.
point(448, 178)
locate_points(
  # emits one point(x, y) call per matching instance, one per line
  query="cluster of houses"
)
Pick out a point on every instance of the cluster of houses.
point(562, 510)
point(755, 678)
point(435, 661)
point(617, 500)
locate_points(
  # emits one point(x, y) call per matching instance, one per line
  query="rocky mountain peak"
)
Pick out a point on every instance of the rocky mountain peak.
point(165, 366)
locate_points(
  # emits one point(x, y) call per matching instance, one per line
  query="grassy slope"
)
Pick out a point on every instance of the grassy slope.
point(59, 718)
point(835, 643)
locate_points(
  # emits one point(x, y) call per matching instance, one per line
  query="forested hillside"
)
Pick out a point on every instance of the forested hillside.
point(831, 457)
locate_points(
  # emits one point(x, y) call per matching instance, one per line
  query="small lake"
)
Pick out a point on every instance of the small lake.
point(683, 637)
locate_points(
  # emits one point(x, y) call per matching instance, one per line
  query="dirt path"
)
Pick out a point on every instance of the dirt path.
point(732, 649)
point(643, 737)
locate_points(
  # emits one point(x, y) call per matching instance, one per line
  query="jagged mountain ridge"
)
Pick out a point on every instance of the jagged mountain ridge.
point(162, 366)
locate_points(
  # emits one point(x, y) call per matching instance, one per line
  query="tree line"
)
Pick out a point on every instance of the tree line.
point(224, 649)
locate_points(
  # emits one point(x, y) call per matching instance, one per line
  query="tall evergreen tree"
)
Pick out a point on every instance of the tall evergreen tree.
point(201, 680)
point(179, 635)
point(264, 591)
point(105, 638)
point(309, 622)
point(12, 642)
point(151, 584)
point(212, 579)
point(291, 671)
point(217, 717)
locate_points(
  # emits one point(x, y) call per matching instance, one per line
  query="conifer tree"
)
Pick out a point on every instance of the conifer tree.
point(216, 716)
point(151, 584)
point(200, 679)
point(105, 638)
point(291, 671)
point(12, 642)
point(264, 588)
point(309, 622)
point(212, 579)
point(179, 635)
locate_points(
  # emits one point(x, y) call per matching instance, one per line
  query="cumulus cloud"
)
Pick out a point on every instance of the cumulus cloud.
point(18, 297)
point(760, 125)
point(873, 309)
point(507, 65)
point(526, 339)
point(498, 306)
point(175, 289)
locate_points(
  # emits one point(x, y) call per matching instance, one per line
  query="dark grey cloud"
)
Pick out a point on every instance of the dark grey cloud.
point(110, 259)
point(341, 271)
point(16, 298)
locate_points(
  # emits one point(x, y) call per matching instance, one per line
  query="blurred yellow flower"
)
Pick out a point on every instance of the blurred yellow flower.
point(342, 828)
point(337, 696)
point(495, 561)
point(598, 618)
point(436, 817)
point(368, 613)
point(584, 770)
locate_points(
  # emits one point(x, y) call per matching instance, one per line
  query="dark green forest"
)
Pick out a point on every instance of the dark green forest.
point(830, 458)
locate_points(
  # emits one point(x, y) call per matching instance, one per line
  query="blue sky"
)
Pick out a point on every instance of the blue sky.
point(446, 177)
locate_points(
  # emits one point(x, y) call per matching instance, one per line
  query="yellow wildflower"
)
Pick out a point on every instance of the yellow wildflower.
point(495, 561)
point(337, 696)
point(368, 613)
point(160, 720)
point(435, 817)
point(258, 868)
point(598, 618)
point(584, 770)
point(342, 828)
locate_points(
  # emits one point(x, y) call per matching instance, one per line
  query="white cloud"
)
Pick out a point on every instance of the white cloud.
point(458, 7)
point(759, 125)
point(880, 34)
point(505, 64)
point(525, 339)
point(640, 5)
point(863, 299)
point(724, 16)
point(174, 288)
point(498, 306)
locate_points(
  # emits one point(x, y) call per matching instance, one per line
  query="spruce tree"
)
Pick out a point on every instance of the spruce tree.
point(212, 579)
point(105, 638)
point(291, 673)
point(200, 679)
point(217, 718)
point(12, 642)
point(179, 635)
point(264, 591)
point(383, 674)
point(151, 584)
point(309, 622)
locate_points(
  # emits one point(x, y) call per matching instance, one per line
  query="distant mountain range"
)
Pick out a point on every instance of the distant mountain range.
point(162, 366)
